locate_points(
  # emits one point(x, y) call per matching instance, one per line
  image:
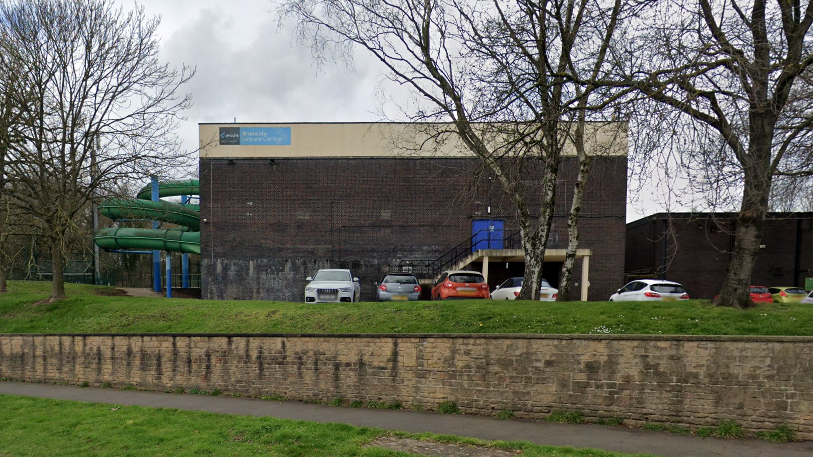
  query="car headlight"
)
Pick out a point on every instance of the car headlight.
point(310, 289)
point(346, 289)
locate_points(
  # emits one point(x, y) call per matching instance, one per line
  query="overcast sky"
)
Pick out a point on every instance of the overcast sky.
point(250, 69)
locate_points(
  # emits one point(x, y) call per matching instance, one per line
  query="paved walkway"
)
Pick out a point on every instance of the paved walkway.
point(140, 292)
point(618, 439)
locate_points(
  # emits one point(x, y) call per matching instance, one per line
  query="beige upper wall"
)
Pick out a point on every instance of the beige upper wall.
point(382, 140)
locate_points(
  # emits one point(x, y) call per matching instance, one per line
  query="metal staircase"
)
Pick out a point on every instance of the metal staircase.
point(460, 255)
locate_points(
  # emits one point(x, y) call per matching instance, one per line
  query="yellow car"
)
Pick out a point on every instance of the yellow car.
point(787, 294)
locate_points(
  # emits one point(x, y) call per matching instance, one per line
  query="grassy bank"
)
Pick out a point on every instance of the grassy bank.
point(92, 310)
point(43, 427)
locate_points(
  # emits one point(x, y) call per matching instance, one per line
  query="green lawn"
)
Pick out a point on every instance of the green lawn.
point(44, 427)
point(89, 311)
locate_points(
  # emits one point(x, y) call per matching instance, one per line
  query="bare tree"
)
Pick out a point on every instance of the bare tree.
point(89, 76)
point(734, 74)
point(10, 114)
point(498, 72)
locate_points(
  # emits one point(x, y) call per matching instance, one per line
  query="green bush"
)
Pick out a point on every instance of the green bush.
point(729, 429)
point(782, 434)
point(565, 417)
point(705, 432)
point(448, 407)
point(505, 414)
point(612, 421)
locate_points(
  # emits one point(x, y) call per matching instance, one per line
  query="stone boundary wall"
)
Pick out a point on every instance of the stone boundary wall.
point(760, 382)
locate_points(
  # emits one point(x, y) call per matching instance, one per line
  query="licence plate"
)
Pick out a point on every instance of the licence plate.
point(327, 297)
point(544, 295)
point(400, 297)
point(467, 292)
point(669, 298)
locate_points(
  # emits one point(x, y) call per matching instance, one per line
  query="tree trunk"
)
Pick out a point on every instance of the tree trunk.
point(58, 283)
point(750, 226)
point(534, 243)
point(573, 227)
point(3, 280)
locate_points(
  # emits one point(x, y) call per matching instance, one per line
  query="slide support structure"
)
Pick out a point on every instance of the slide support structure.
point(185, 257)
point(156, 254)
point(169, 275)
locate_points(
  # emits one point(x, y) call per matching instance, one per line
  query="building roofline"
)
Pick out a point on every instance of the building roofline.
point(773, 215)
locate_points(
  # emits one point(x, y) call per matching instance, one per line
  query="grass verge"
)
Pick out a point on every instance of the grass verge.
point(88, 312)
point(44, 427)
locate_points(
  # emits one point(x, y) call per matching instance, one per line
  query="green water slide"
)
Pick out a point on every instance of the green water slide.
point(185, 238)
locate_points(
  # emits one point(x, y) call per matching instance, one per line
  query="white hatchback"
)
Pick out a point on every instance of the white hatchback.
point(809, 298)
point(509, 290)
point(330, 286)
point(649, 290)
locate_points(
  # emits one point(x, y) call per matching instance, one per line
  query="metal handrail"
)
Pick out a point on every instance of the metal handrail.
point(433, 267)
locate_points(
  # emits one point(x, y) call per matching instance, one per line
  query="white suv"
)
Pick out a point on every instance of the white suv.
point(331, 286)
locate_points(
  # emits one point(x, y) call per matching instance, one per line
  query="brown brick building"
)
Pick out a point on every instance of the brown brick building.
point(312, 196)
point(693, 249)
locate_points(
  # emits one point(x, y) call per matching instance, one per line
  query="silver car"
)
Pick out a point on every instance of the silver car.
point(330, 286)
point(398, 286)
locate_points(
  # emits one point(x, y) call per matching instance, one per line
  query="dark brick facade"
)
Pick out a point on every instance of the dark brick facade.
point(269, 223)
point(694, 249)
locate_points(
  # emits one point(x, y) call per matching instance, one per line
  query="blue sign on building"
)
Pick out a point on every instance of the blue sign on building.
point(265, 136)
point(255, 136)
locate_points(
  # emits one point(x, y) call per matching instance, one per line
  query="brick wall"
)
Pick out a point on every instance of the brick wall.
point(696, 250)
point(269, 224)
point(760, 382)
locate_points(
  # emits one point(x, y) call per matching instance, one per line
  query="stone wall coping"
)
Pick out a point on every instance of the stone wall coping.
point(516, 336)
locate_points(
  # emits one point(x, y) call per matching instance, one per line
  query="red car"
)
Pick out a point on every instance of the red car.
point(759, 294)
point(460, 284)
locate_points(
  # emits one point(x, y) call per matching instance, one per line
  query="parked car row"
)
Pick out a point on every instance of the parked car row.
point(339, 285)
point(658, 289)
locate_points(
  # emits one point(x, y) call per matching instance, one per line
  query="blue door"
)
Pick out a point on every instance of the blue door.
point(486, 234)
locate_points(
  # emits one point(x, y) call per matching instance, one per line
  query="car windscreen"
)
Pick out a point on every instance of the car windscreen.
point(399, 279)
point(466, 278)
point(518, 283)
point(667, 288)
point(759, 290)
point(332, 276)
point(795, 291)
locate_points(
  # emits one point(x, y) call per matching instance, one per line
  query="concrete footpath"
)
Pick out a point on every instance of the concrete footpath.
point(618, 439)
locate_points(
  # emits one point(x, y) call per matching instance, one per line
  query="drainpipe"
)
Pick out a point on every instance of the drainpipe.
point(797, 267)
point(663, 248)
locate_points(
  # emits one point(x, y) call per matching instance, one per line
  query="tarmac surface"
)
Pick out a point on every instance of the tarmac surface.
point(617, 439)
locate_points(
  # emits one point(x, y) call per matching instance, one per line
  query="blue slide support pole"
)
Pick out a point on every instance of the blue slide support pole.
point(185, 256)
point(169, 275)
point(156, 254)
point(185, 269)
